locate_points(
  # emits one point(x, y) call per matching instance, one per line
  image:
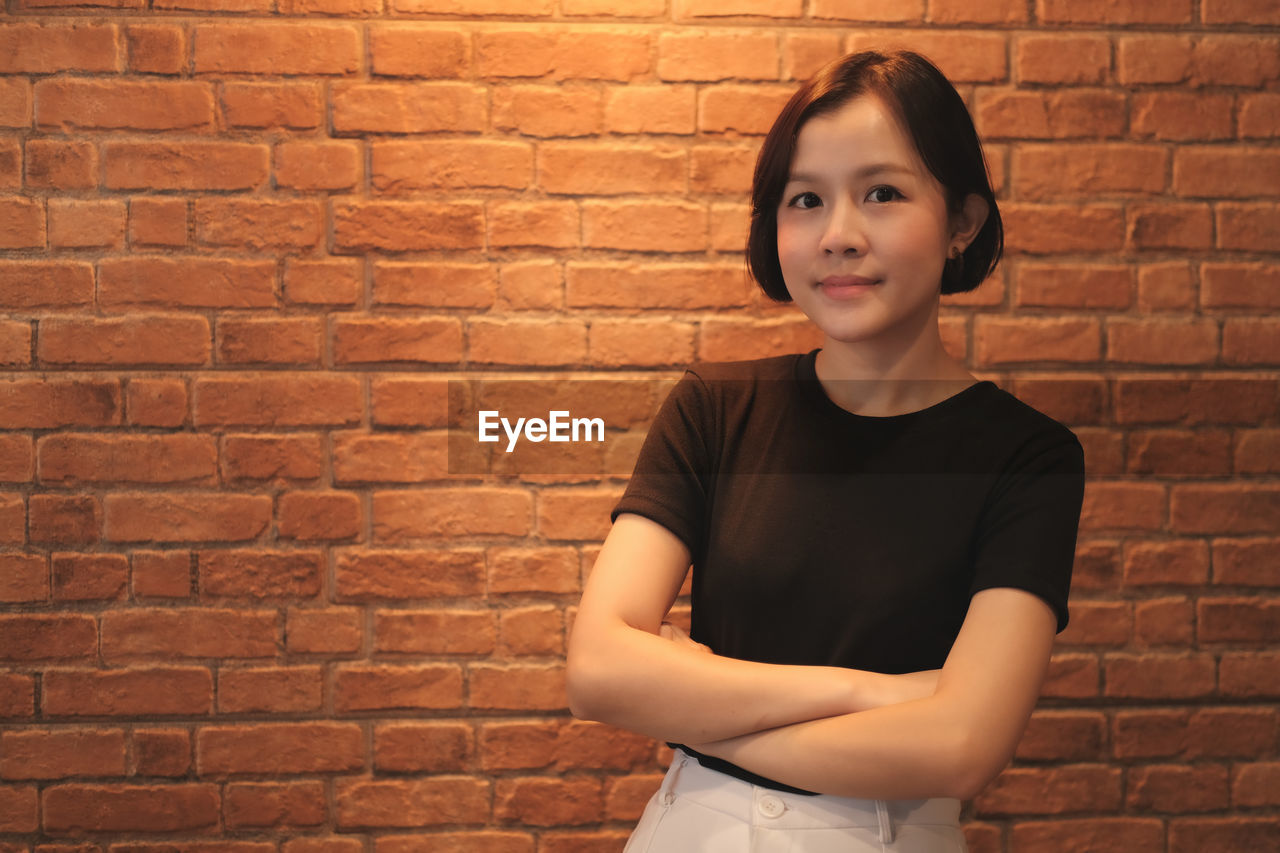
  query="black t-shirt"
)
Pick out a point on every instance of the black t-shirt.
point(823, 537)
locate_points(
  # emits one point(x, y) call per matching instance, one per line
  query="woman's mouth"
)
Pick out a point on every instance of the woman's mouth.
point(846, 286)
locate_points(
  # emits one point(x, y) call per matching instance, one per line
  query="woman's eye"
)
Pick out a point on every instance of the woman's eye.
point(883, 194)
point(804, 201)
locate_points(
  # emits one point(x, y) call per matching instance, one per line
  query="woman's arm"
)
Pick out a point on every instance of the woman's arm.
point(622, 672)
point(951, 743)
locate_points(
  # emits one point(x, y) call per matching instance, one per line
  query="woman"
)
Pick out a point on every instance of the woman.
point(881, 544)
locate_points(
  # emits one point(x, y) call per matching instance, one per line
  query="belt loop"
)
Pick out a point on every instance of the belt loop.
point(669, 783)
point(886, 825)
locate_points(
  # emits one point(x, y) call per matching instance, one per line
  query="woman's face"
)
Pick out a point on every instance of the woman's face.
point(863, 228)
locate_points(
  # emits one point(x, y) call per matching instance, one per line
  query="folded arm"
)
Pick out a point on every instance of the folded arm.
point(950, 743)
point(623, 672)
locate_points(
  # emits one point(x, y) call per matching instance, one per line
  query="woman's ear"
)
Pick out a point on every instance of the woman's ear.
point(966, 223)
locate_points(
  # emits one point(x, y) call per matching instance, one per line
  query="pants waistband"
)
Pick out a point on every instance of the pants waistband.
point(765, 806)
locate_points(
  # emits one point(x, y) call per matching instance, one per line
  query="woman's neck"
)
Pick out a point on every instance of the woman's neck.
point(879, 381)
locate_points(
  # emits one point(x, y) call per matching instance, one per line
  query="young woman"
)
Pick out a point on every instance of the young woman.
point(881, 545)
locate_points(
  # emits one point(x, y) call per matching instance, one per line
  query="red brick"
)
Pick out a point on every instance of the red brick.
point(409, 401)
point(74, 224)
point(441, 632)
point(1166, 287)
point(293, 689)
point(279, 748)
point(89, 577)
point(408, 166)
point(414, 51)
point(547, 224)
point(28, 284)
point(738, 8)
point(47, 636)
point(527, 342)
point(1249, 227)
point(718, 54)
point(259, 575)
point(157, 222)
point(188, 632)
point(335, 630)
point(136, 340)
point(1124, 506)
point(1114, 12)
point(412, 803)
point(523, 570)
point(518, 688)
point(434, 285)
point(13, 518)
point(269, 457)
point(586, 745)
point(682, 286)
point(322, 844)
point(1255, 785)
point(19, 810)
point(1239, 285)
point(178, 517)
point(161, 752)
point(17, 695)
point(39, 49)
point(565, 110)
point(1235, 60)
point(1244, 562)
point(639, 108)
point(523, 8)
point(1064, 736)
point(532, 631)
point(280, 401)
point(1181, 116)
point(1074, 286)
point(1065, 114)
point(156, 49)
point(297, 804)
point(63, 519)
point(156, 402)
point(1212, 172)
point(451, 513)
point(258, 225)
point(1161, 563)
point(566, 54)
point(1163, 622)
point(1231, 732)
point(721, 169)
point(59, 754)
point(1222, 834)
point(267, 340)
point(407, 225)
point(1097, 565)
point(980, 58)
point(1045, 172)
point(15, 103)
point(1259, 116)
point(184, 165)
point(10, 156)
point(333, 281)
point(264, 105)
point(389, 458)
point(610, 169)
point(150, 808)
point(549, 802)
point(1004, 341)
point(24, 578)
point(304, 165)
point(1052, 790)
point(803, 53)
point(1239, 12)
point(1098, 623)
point(1063, 59)
point(1224, 508)
point(408, 108)
point(614, 8)
point(419, 573)
point(161, 574)
point(1237, 621)
point(434, 747)
point(1180, 453)
point(277, 48)
point(517, 744)
point(76, 104)
point(55, 164)
point(1162, 341)
point(1249, 674)
point(1132, 834)
point(1250, 341)
point(22, 223)
point(616, 343)
point(627, 796)
point(313, 516)
point(869, 11)
point(748, 110)
point(131, 692)
point(1159, 676)
point(358, 340)
point(484, 841)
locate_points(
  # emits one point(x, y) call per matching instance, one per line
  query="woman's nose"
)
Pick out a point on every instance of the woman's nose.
point(844, 232)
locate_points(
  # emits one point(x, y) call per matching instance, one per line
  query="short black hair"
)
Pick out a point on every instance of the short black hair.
point(937, 121)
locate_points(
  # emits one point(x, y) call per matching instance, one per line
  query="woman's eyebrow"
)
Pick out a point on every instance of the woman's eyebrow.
point(865, 172)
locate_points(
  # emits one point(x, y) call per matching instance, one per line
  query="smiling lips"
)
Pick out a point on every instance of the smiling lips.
point(846, 286)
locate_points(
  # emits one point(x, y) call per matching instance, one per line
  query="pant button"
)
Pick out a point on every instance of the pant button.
point(771, 806)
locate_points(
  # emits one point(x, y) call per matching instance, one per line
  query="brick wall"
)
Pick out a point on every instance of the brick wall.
point(242, 242)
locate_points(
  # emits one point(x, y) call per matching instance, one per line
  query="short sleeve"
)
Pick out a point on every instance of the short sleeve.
point(1027, 535)
point(670, 483)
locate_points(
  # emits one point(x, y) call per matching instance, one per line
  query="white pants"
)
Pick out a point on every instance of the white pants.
point(698, 810)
